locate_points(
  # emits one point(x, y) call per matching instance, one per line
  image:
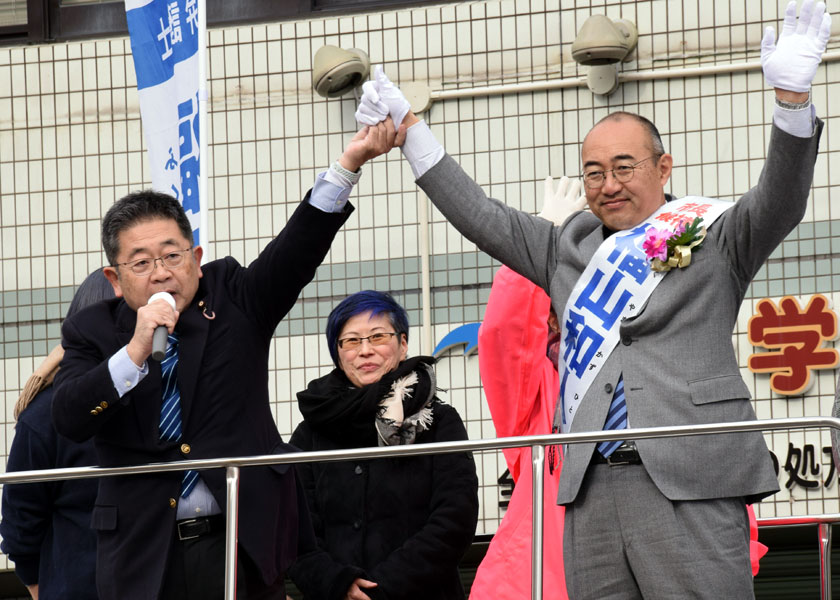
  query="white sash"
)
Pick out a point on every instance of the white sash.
point(615, 285)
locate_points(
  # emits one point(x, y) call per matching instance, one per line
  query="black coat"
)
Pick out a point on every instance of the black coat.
point(404, 523)
point(43, 521)
point(223, 381)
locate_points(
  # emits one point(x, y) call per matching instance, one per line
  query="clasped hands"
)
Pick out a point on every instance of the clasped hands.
point(789, 64)
point(371, 141)
point(380, 133)
point(381, 98)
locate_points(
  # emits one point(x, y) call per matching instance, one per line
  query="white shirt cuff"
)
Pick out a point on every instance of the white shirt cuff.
point(799, 123)
point(421, 148)
point(124, 373)
point(330, 192)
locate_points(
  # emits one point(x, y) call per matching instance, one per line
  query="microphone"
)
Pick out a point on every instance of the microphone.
point(161, 335)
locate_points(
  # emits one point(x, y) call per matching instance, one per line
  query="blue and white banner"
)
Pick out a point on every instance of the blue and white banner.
point(165, 43)
point(615, 285)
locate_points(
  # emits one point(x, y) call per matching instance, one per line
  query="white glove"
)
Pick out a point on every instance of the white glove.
point(566, 200)
point(792, 63)
point(371, 109)
point(391, 95)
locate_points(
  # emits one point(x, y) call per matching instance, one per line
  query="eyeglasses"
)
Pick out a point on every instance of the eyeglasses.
point(622, 173)
point(145, 266)
point(377, 339)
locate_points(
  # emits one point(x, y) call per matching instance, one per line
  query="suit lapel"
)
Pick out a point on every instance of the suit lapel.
point(125, 320)
point(193, 329)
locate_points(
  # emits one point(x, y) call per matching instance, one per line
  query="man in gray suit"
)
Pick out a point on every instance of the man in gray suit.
point(661, 518)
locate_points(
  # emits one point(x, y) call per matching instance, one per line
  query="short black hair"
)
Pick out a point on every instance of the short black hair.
point(137, 207)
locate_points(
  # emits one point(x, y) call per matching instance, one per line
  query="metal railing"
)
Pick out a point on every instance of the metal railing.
point(823, 523)
point(537, 444)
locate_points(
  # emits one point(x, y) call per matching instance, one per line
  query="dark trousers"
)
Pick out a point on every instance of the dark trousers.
point(196, 571)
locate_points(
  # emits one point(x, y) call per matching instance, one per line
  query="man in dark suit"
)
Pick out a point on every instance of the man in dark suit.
point(162, 535)
point(658, 518)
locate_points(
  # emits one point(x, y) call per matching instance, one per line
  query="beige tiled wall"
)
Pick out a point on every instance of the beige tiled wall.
point(71, 142)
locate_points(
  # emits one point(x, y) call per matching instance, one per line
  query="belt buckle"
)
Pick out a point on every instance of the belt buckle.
point(614, 462)
point(624, 455)
point(181, 536)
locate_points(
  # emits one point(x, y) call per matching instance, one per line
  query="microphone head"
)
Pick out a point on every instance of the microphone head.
point(163, 296)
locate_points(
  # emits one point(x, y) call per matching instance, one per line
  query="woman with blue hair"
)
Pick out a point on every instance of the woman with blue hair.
point(393, 528)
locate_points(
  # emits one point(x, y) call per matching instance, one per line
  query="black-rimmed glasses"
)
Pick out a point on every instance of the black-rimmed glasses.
point(145, 266)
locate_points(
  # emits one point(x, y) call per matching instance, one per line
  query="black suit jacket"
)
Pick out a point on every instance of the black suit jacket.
point(223, 380)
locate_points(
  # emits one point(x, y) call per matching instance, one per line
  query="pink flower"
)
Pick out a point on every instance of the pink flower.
point(656, 243)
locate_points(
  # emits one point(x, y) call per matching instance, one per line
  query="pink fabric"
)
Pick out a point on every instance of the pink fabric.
point(521, 385)
point(521, 389)
point(757, 549)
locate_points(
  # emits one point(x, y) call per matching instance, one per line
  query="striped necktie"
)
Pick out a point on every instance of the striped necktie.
point(616, 418)
point(170, 410)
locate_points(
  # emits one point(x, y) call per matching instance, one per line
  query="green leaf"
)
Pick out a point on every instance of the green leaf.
point(689, 235)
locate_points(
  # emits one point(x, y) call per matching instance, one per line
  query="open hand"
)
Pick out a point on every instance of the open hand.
point(559, 203)
point(791, 63)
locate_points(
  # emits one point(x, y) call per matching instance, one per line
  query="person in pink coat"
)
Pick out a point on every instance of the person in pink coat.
point(520, 382)
point(521, 386)
point(518, 367)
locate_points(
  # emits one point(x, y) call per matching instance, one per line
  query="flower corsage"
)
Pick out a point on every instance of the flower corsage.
point(668, 249)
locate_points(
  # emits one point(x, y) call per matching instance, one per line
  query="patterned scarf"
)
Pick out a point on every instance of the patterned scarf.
point(389, 412)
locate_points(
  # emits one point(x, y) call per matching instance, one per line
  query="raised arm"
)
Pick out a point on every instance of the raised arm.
point(519, 240)
point(288, 263)
point(770, 210)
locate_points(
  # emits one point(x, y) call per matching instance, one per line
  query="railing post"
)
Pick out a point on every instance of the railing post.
point(537, 471)
point(824, 533)
point(231, 531)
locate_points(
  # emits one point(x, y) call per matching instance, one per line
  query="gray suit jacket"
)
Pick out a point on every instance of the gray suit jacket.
point(676, 355)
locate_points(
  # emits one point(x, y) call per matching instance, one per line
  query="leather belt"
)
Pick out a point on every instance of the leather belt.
point(626, 454)
point(189, 529)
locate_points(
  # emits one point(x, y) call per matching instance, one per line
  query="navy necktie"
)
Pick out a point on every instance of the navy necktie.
point(170, 410)
point(616, 418)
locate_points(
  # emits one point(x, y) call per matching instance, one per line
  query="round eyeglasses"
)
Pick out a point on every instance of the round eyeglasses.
point(622, 173)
